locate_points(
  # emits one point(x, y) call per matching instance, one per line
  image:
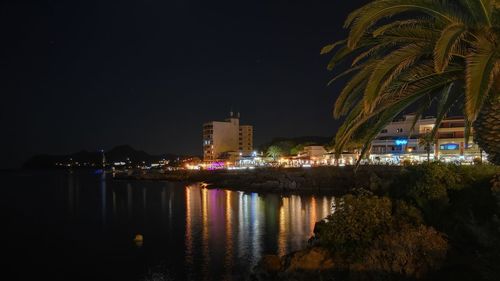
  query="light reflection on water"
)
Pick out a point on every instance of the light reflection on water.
point(192, 232)
point(237, 225)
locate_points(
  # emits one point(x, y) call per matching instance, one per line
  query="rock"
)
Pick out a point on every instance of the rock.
point(270, 263)
point(310, 259)
point(311, 264)
point(270, 184)
point(266, 269)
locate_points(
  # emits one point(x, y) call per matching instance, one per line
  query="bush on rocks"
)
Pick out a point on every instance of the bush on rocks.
point(373, 238)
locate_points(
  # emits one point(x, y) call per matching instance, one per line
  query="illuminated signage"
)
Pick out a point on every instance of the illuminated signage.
point(449, 146)
point(216, 166)
point(401, 142)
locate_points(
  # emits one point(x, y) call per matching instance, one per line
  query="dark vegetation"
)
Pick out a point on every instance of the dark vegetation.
point(433, 219)
point(432, 222)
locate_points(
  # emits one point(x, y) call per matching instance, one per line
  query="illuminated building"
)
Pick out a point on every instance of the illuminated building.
point(310, 155)
point(245, 145)
point(225, 139)
point(450, 144)
point(398, 137)
point(312, 151)
point(398, 141)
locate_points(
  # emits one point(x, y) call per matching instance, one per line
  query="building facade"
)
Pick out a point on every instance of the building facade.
point(223, 139)
point(398, 141)
point(398, 137)
point(245, 144)
point(450, 144)
point(313, 151)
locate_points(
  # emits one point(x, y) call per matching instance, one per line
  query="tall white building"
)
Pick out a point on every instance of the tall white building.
point(224, 138)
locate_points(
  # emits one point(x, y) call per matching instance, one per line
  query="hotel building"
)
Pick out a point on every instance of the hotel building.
point(226, 139)
point(397, 141)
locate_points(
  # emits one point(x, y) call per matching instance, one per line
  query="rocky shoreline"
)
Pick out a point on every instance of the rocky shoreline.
point(318, 180)
point(311, 263)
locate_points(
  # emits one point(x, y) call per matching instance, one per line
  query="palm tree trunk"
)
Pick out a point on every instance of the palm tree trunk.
point(487, 127)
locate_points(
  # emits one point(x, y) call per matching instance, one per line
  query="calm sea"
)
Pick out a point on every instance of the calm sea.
point(81, 226)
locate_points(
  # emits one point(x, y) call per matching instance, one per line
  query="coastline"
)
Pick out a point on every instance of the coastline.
point(326, 180)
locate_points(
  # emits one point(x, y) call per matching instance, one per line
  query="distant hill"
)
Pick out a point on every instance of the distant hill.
point(121, 153)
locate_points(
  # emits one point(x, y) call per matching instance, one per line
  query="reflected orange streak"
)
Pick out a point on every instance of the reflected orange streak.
point(314, 216)
point(283, 229)
point(204, 240)
point(189, 241)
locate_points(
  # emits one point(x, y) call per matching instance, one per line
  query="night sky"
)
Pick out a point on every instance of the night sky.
point(95, 74)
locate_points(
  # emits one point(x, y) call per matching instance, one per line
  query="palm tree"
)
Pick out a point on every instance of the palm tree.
point(274, 152)
point(426, 140)
point(416, 53)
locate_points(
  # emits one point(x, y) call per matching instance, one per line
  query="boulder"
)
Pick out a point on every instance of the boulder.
point(310, 259)
point(270, 263)
point(313, 264)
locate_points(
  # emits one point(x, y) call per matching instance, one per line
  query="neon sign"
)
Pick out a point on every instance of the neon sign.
point(449, 146)
point(401, 142)
point(216, 166)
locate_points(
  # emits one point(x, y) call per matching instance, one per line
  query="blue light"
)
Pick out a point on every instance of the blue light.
point(401, 142)
point(449, 146)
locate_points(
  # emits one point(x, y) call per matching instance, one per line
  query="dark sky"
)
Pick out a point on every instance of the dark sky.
point(94, 74)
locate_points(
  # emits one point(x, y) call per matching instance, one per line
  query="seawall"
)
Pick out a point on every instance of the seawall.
point(316, 180)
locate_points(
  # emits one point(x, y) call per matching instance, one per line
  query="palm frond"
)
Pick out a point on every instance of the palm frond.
point(424, 105)
point(448, 41)
point(345, 73)
point(481, 10)
point(364, 18)
point(385, 71)
point(411, 22)
point(447, 99)
point(341, 53)
point(328, 48)
point(356, 83)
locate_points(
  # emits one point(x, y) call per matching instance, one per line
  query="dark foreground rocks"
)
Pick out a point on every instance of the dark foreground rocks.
point(314, 263)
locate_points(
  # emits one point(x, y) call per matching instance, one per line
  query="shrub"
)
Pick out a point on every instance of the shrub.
point(426, 186)
point(411, 252)
point(356, 221)
point(374, 237)
point(429, 186)
point(460, 201)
